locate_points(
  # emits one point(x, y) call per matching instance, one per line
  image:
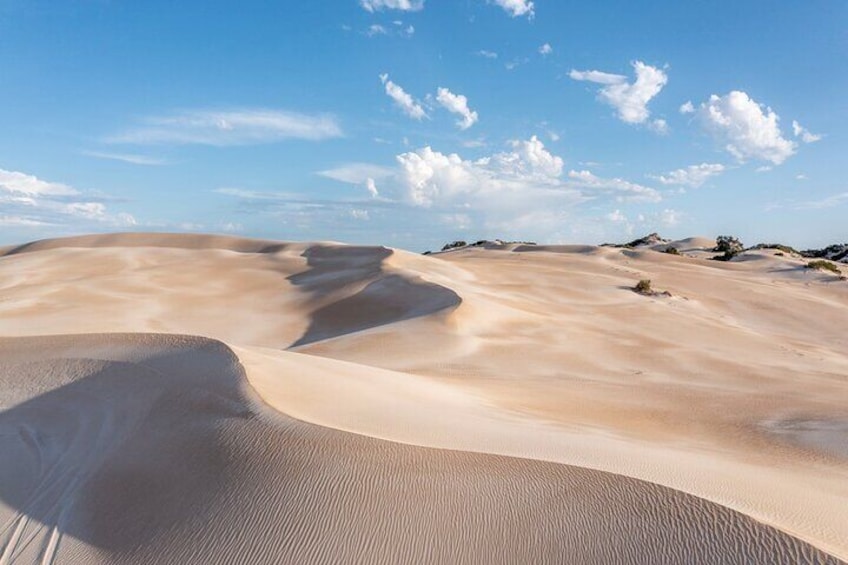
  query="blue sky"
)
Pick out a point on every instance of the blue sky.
point(413, 122)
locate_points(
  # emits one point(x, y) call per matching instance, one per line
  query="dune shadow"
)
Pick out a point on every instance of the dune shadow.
point(384, 298)
point(165, 457)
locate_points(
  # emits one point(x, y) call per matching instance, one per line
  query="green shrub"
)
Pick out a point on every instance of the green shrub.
point(672, 251)
point(822, 265)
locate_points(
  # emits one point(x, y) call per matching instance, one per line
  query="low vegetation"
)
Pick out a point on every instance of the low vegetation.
point(672, 251)
point(787, 249)
point(729, 246)
point(822, 265)
point(644, 288)
point(837, 252)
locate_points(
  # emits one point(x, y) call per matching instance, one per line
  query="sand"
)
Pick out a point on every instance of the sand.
point(173, 398)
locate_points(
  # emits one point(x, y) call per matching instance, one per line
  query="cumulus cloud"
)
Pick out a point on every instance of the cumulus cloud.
point(376, 29)
point(692, 176)
point(402, 99)
point(230, 127)
point(546, 49)
point(805, 134)
point(748, 129)
point(687, 107)
point(522, 191)
point(630, 100)
point(517, 8)
point(403, 5)
point(457, 104)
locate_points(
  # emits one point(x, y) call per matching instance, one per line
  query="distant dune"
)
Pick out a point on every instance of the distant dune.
point(206, 399)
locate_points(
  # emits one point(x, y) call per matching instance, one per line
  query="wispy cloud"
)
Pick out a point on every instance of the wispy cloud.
point(805, 134)
point(487, 54)
point(28, 201)
point(829, 202)
point(356, 173)
point(692, 176)
point(126, 158)
point(249, 126)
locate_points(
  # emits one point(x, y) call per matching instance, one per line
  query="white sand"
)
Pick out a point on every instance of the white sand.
point(732, 390)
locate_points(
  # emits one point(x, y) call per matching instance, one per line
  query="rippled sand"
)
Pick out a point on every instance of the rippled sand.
point(357, 404)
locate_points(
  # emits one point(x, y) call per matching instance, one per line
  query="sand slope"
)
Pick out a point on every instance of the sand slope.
point(731, 390)
point(140, 449)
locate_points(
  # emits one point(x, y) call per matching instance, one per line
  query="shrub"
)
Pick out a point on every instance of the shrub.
point(643, 287)
point(787, 249)
point(454, 245)
point(672, 251)
point(729, 246)
point(822, 265)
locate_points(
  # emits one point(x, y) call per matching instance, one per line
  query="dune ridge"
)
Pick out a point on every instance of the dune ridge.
point(170, 429)
point(491, 353)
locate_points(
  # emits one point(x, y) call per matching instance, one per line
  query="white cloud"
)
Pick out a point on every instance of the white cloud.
point(692, 176)
point(687, 107)
point(27, 200)
point(515, 63)
point(487, 54)
point(622, 190)
point(359, 214)
point(371, 187)
point(376, 29)
point(801, 176)
point(20, 221)
point(457, 104)
point(403, 5)
point(230, 127)
point(748, 129)
point(597, 77)
point(659, 126)
point(22, 183)
point(805, 134)
point(546, 49)
point(125, 158)
point(517, 8)
point(356, 173)
point(629, 100)
point(403, 100)
point(429, 177)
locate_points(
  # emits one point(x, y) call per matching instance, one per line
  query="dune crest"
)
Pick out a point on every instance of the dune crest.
point(729, 392)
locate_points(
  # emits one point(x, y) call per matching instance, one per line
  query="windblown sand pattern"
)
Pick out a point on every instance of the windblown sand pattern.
point(148, 449)
point(480, 406)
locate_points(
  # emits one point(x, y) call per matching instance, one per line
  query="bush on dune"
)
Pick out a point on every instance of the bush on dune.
point(822, 265)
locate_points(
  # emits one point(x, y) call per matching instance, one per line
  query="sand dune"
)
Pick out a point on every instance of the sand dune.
point(139, 449)
point(441, 404)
